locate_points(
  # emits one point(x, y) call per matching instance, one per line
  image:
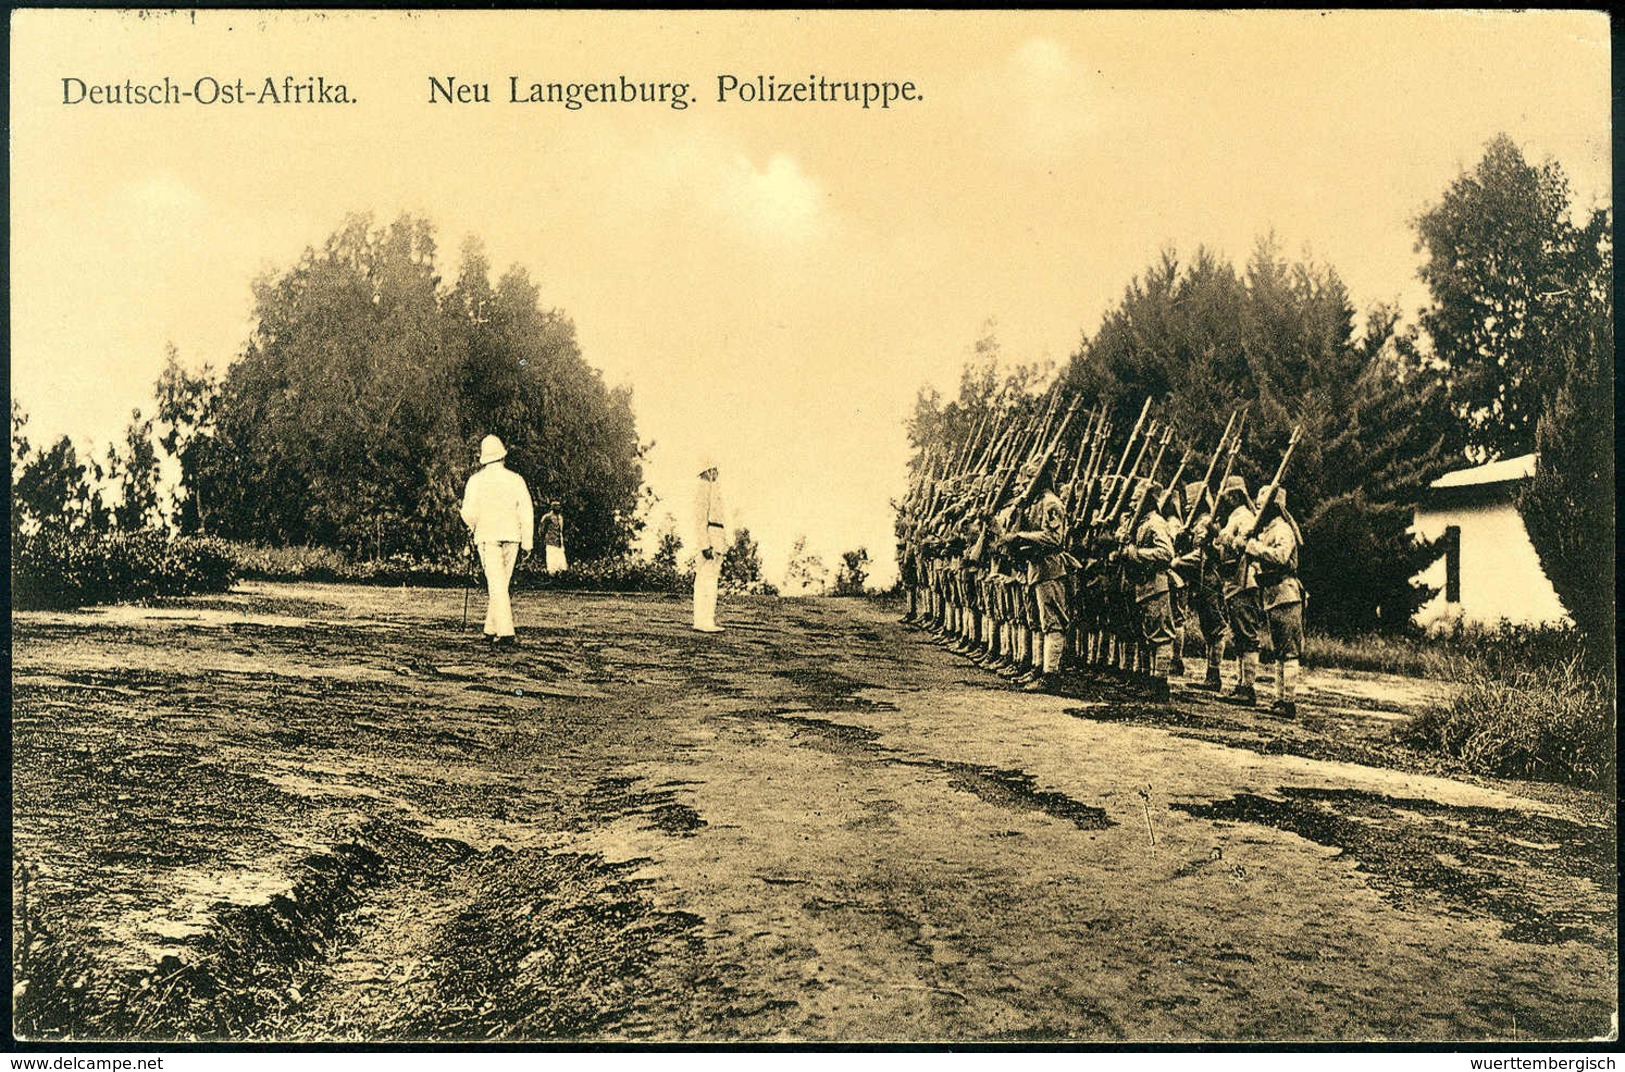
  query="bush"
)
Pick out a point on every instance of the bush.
point(1553, 723)
point(262, 563)
point(612, 575)
point(53, 568)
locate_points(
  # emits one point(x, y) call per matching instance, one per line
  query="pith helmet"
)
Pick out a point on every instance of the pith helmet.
point(1234, 487)
point(1194, 492)
point(492, 450)
point(1279, 499)
point(708, 462)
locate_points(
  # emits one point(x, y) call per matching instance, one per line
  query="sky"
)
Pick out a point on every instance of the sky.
point(775, 281)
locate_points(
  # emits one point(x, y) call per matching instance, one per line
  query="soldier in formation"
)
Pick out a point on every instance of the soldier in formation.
point(1044, 564)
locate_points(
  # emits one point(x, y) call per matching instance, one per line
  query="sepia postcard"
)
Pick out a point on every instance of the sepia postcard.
point(766, 528)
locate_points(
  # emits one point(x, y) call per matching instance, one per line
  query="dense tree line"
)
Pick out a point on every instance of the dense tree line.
point(1203, 340)
point(1515, 352)
point(352, 419)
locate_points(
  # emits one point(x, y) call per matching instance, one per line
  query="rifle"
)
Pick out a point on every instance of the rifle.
point(1213, 463)
point(963, 451)
point(1266, 496)
point(1094, 512)
point(1083, 470)
point(1144, 492)
point(1122, 493)
point(1049, 453)
point(1174, 483)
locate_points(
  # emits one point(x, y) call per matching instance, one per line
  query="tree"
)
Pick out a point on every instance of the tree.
point(1203, 340)
point(187, 408)
point(1568, 508)
point(1511, 278)
point(20, 447)
point(742, 561)
point(50, 488)
point(354, 415)
point(135, 470)
point(806, 573)
point(852, 572)
point(668, 544)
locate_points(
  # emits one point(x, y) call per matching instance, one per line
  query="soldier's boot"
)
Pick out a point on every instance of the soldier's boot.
point(1176, 666)
point(1031, 657)
point(973, 636)
point(1001, 642)
point(1006, 665)
point(1287, 690)
point(1245, 693)
point(1049, 674)
point(1214, 680)
point(1157, 687)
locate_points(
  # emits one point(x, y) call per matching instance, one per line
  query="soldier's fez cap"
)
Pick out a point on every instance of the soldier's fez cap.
point(492, 450)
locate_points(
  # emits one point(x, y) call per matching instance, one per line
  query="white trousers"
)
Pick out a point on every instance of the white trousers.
point(498, 560)
point(707, 571)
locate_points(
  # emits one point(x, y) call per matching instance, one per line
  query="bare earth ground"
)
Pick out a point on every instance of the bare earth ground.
point(334, 817)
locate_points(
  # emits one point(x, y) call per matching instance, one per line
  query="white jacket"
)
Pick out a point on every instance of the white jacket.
point(496, 505)
point(709, 525)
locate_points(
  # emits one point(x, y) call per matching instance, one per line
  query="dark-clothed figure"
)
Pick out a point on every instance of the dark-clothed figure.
point(552, 526)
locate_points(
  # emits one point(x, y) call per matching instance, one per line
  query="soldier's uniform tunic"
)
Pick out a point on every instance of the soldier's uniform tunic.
point(1243, 606)
point(1275, 552)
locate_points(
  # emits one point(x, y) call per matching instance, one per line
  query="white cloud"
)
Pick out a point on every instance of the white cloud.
point(776, 202)
point(160, 203)
point(1054, 103)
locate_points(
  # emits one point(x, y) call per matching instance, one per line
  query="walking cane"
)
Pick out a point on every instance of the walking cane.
point(468, 580)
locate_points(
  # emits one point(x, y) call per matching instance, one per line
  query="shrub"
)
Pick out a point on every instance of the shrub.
point(263, 563)
point(53, 568)
point(613, 575)
point(1554, 723)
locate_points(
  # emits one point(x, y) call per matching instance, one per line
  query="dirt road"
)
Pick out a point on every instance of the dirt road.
point(318, 812)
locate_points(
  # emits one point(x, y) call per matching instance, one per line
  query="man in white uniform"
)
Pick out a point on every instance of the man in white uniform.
point(497, 510)
point(710, 540)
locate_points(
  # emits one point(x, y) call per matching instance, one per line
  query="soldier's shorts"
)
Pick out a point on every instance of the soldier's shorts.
point(1156, 619)
point(1179, 596)
point(1054, 614)
point(1246, 613)
point(1209, 605)
point(1286, 630)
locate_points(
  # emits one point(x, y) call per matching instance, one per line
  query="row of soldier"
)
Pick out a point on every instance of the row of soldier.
point(1043, 577)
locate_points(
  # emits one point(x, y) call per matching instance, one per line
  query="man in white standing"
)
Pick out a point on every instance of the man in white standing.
point(498, 511)
point(710, 537)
